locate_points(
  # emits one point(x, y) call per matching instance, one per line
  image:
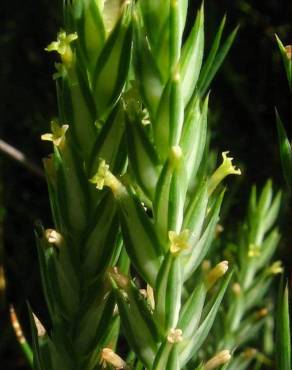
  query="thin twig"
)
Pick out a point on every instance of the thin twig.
point(20, 157)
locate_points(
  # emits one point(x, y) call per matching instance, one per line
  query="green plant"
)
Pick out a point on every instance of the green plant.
point(132, 122)
point(248, 306)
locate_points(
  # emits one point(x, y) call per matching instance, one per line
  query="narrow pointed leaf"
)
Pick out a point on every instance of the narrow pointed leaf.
point(283, 334)
point(217, 62)
point(192, 56)
point(285, 151)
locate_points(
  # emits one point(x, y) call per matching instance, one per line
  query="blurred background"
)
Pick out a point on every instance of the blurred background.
point(244, 95)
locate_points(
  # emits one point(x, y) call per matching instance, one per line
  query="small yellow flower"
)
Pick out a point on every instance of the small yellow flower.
point(225, 169)
point(276, 268)
point(100, 177)
point(62, 46)
point(58, 134)
point(178, 242)
point(104, 177)
point(254, 250)
point(174, 336)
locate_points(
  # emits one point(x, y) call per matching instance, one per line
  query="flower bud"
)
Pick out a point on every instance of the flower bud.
point(219, 359)
point(216, 273)
point(109, 357)
point(53, 237)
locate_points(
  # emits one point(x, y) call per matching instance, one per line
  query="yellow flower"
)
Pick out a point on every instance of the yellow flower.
point(276, 268)
point(222, 171)
point(178, 242)
point(62, 46)
point(104, 177)
point(57, 136)
point(254, 250)
point(174, 336)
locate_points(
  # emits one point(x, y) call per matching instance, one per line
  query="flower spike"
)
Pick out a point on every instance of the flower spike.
point(222, 171)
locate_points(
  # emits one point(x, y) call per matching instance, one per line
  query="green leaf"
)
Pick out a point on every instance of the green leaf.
point(273, 212)
point(72, 189)
point(138, 325)
point(286, 60)
point(170, 195)
point(140, 238)
point(189, 348)
point(215, 59)
point(175, 34)
point(194, 136)
point(192, 56)
point(155, 13)
point(91, 31)
point(167, 126)
point(100, 241)
point(285, 151)
point(192, 310)
point(109, 144)
point(167, 357)
point(283, 334)
point(265, 199)
point(200, 249)
point(268, 249)
point(143, 158)
point(94, 319)
point(168, 289)
point(76, 106)
point(148, 77)
point(113, 65)
point(196, 211)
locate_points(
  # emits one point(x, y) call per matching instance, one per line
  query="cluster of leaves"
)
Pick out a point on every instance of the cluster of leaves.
point(132, 117)
point(152, 110)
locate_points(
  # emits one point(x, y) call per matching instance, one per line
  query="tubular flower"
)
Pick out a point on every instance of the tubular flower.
point(58, 134)
point(222, 171)
point(178, 242)
point(62, 46)
point(104, 177)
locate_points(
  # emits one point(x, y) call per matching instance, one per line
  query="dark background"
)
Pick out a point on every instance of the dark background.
point(244, 94)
